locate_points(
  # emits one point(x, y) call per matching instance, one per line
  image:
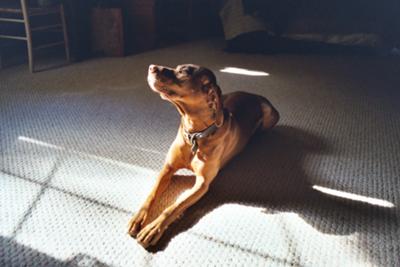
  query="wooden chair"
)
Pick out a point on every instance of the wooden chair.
point(22, 12)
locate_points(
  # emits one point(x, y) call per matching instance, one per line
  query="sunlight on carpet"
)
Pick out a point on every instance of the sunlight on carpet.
point(241, 71)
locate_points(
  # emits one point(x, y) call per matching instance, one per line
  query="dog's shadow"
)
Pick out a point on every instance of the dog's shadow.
point(270, 173)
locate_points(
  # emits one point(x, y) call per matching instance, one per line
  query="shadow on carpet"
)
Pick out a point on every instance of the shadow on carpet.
point(269, 174)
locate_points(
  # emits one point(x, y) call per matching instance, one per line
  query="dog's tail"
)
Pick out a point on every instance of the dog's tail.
point(270, 114)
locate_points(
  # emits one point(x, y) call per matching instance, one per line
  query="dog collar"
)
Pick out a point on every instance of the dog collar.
point(193, 137)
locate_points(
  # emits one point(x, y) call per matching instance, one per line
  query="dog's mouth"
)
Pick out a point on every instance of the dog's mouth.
point(159, 87)
point(166, 92)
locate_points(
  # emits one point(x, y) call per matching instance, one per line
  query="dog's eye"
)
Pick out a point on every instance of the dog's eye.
point(182, 74)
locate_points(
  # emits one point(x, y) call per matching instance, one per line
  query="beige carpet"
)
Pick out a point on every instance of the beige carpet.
point(81, 146)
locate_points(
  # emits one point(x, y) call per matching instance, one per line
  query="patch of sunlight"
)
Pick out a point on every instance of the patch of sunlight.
point(281, 237)
point(241, 71)
point(355, 197)
point(37, 142)
point(72, 151)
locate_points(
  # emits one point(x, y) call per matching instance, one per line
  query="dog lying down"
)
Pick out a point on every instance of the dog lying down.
point(213, 129)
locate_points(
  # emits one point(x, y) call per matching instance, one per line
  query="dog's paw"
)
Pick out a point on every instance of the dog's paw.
point(151, 233)
point(137, 222)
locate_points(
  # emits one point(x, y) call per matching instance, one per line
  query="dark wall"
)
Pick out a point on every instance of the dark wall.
point(147, 23)
point(151, 23)
point(78, 19)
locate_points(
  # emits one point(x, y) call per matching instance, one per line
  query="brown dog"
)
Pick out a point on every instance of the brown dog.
point(213, 129)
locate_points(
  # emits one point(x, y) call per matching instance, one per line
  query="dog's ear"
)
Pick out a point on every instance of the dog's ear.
point(215, 103)
point(212, 98)
point(207, 79)
point(209, 86)
point(206, 82)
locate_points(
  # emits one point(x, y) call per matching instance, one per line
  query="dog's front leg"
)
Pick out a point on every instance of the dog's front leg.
point(139, 220)
point(205, 174)
point(152, 232)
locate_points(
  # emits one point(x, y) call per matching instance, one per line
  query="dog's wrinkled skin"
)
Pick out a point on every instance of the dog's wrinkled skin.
point(197, 97)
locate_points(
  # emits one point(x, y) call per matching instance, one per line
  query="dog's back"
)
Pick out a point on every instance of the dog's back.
point(251, 112)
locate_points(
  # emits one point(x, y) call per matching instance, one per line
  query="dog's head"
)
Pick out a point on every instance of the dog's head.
point(188, 85)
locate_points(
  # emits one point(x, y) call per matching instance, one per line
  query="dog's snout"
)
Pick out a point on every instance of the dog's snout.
point(163, 73)
point(154, 68)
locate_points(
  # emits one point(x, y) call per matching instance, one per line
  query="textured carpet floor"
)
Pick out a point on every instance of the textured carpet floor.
point(81, 146)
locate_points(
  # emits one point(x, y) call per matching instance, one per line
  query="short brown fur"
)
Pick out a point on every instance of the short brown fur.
point(198, 99)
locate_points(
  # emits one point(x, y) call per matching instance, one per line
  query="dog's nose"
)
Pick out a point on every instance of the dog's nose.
point(153, 68)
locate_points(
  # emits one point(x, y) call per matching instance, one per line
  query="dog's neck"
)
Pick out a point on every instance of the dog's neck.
point(199, 119)
point(194, 124)
point(208, 128)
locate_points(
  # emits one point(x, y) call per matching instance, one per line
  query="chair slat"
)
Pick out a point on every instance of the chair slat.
point(49, 45)
point(47, 27)
point(12, 20)
point(14, 37)
point(10, 10)
point(42, 12)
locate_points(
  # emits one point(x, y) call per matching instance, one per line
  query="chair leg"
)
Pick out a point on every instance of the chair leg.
point(64, 26)
point(30, 56)
point(28, 34)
